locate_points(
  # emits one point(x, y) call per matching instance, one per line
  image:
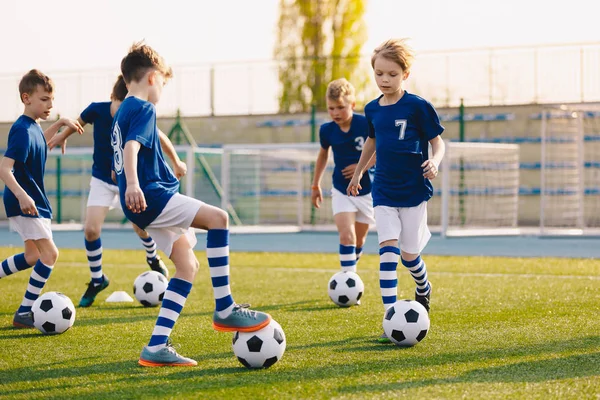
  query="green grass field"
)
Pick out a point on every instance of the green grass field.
point(500, 328)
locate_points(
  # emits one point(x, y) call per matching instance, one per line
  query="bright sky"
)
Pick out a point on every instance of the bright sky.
point(74, 35)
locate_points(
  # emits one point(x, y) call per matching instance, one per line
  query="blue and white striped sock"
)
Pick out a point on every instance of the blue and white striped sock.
point(388, 277)
point(348, 258)
point(172, 304)
point(93, 251)
point(217, 252)
point(37, 280)
point(13, 264)
point(418, 270)
point(150, 246)
point(359, 251)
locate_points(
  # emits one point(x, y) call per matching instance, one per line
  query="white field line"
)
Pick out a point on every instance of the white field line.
point(330, 270)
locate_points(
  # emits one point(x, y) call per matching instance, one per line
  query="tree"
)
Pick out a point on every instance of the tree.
point(318, 41)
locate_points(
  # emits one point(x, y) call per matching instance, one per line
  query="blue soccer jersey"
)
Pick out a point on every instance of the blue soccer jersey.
point(27, 146)
point(346, 147)
point(136, 120)
point(99, 115)
point(402, 132)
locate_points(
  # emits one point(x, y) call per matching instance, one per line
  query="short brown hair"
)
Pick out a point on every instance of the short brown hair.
point(31, 80)
point(119, 91)
point(340, 88)
point(139, 60)
point(396, 50)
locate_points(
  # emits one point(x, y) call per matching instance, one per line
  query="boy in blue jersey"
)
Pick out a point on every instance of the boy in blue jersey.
point(27, 207)
point(150, 199)
point(401, 126)
point(104, 193)
point(345, 135)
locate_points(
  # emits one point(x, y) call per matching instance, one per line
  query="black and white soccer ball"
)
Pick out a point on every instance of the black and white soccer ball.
point(406, 323)
point(149, 288)
point(53, 313)
point(345, 288)
point(260, 349)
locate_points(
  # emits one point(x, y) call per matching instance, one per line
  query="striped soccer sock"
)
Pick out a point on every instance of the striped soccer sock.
point(418, 270)
point(37, 280)
point(217, 252)
point(388, 277)
point(348, 258)
point(172, 304)
point(93, 250)
point(13, 264)
point(359, 251)
point(150, 247)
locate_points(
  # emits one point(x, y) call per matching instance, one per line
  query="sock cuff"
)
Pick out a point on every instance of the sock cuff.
point(147, 240)
point(93, 245)
point(347, 249)
point(180, 286)
point(412, 263)
point(217, 238)
point(389, 249)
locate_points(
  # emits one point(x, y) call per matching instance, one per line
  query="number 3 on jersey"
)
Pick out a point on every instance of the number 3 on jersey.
point(402, 124)
point(116, 142)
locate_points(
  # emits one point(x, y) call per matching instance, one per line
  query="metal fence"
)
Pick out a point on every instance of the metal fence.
point(494, 76)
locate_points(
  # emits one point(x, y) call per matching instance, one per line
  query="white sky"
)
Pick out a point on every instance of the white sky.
point(77, 34)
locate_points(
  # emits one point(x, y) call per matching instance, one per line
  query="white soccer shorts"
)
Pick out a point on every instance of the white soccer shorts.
point(174, 221)
point(31, 228)
point(361, 205)
point(103, 195)
point(408, 225)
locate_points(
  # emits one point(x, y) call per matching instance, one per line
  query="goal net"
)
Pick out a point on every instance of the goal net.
point(570, 171)
point(479, 190)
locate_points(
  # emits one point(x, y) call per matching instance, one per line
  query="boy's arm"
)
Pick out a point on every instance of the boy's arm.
point(179, 167)
point(438, 149)
point(25, 201)
point(60, 139)
point(365, 157)
point(321, 163)
point(53, 129)
point(134, 197)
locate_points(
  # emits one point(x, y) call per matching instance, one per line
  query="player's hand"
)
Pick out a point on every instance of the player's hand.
point(180, 169)
point(430, 169)
point(354, 185)
point(73, 123)
point(134, 198)
point(348, 172)
point(58, 140)
point(316, 197)
point(28, 206)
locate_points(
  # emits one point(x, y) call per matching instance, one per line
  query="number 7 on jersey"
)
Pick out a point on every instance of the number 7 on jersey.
point(402, 124)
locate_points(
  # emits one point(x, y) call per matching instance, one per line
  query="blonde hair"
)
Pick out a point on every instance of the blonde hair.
point(139, 60)
point(396, 50)
point(31, 80)
point(340, 88)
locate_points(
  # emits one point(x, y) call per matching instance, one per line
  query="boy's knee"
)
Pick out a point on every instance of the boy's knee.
point(347, 238)
point(92, 232)
point(220, 220)
point(32, 256)
point(49, 256)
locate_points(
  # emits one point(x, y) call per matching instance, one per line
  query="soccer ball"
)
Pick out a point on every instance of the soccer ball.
point(260, 349)
point(406, 323)
point(53, 313)
point(149, 288)
point(345, 288)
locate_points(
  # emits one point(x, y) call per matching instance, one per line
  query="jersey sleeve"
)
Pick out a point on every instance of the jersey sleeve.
point(370, 127)
point(18, 144)
point(323, 137)
point(90, 114)
point(142, 126)
point(429, 122)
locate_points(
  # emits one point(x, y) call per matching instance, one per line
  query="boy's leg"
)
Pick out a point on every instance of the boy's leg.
point(344, 222)
point(414, 239)
point(159, 352)
point(228, 315)
point(365, 217)
point(361, 230)
point(95, 216)
point(152, 257)
point(18, 262)
point(37, 280)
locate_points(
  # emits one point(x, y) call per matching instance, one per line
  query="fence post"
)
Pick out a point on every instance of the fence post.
point(58, 190)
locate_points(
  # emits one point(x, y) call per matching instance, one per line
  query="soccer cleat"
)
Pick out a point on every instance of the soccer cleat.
point(384, 338)
point(424, 300)
point(24, 320)
point(165, 357)
point(92, 291)
point(241, 319)
point(158, 265)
